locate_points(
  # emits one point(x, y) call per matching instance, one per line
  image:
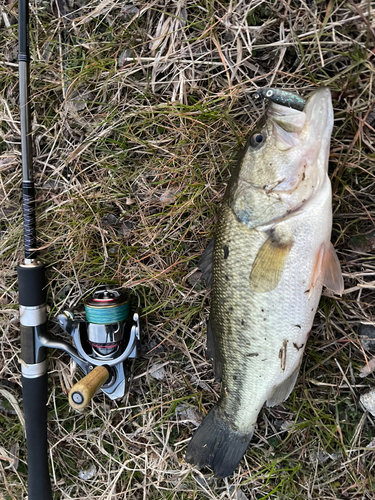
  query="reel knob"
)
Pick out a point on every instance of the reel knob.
point(83, 391)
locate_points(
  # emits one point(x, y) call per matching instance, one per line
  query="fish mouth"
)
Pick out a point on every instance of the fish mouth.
point(316, 134)
point(313, 124)
point(319, 118)
point(309, 132)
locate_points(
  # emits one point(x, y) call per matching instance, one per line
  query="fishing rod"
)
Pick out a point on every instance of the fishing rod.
point(32, 293)
point(105, 343)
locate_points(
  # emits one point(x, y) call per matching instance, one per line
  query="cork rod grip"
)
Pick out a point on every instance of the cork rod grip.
point(83, 391)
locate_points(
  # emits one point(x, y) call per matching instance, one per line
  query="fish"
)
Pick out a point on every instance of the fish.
point(268, 261)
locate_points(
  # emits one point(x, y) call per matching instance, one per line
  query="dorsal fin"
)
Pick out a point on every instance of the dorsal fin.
point(213, 351)
point(206, 262)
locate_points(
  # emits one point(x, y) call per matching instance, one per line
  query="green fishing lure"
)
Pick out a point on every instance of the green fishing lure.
point(283, 97)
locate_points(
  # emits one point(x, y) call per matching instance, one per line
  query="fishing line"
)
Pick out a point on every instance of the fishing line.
point(106, 307)
point(62, 14)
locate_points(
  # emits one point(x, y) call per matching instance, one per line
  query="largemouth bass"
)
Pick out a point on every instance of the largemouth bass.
point(270, 258)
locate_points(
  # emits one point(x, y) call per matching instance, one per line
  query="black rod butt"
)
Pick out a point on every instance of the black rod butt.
point(35, 408)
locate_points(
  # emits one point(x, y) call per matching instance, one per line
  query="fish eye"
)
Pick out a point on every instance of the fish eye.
point(257, 139)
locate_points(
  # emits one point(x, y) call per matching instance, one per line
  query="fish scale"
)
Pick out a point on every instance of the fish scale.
point(270, 258)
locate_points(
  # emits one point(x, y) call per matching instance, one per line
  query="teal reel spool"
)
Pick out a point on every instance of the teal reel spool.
point(105, 307)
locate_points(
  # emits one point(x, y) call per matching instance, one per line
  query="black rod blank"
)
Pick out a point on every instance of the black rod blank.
point(28, 190)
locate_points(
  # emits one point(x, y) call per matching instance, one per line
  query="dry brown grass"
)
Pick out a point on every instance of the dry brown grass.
point(138, 112)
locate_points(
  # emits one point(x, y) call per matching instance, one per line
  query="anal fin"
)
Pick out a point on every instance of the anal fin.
point(282, 391)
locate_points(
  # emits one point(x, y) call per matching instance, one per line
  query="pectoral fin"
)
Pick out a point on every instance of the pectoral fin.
point(269, 264)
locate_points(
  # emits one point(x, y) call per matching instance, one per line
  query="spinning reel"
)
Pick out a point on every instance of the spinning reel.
point(105, 344)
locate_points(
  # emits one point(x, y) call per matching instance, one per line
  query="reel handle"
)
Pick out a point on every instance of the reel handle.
point(83, 391)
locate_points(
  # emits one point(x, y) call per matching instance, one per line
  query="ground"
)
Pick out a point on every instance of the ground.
point(139, 111)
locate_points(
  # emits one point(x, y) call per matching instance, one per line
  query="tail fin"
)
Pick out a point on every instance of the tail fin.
point(217, 445)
